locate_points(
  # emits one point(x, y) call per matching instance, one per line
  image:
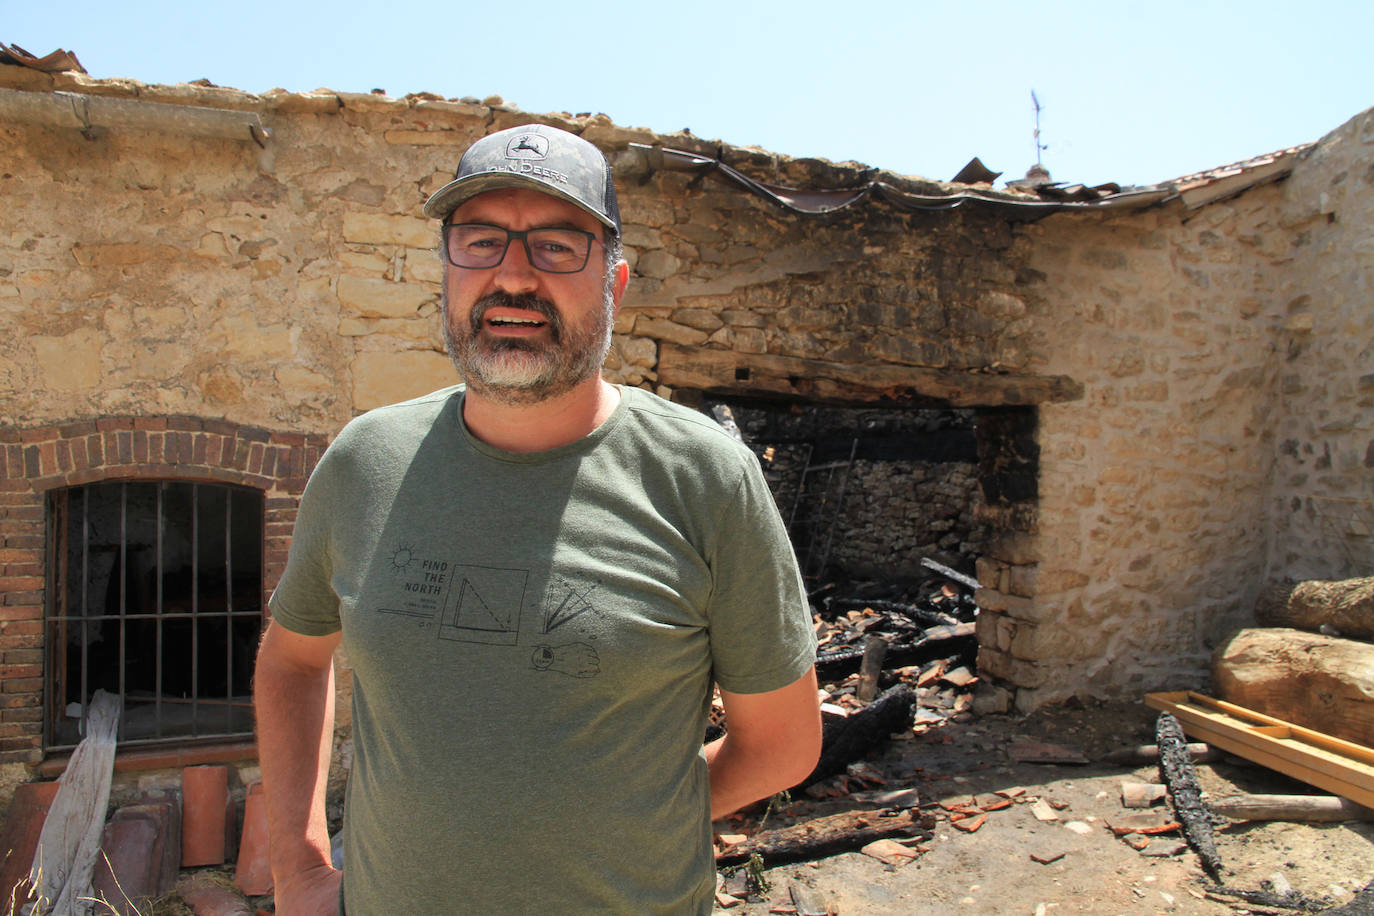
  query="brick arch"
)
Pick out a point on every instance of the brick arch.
point(37, 459)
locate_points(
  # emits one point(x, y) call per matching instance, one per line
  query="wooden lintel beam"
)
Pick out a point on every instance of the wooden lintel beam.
point(730, 372)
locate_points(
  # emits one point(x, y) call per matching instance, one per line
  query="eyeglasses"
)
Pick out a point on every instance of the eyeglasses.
point(477, 246)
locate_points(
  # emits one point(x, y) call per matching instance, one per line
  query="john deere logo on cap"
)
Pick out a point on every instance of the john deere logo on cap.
point(527, 146)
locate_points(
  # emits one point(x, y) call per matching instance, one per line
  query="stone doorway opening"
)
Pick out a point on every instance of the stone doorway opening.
point(873, 494)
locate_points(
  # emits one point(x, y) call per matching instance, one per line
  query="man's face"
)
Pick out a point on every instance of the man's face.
point(519, 335)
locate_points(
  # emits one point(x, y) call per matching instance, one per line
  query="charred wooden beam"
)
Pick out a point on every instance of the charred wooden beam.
point(1185, 794)
point(727, 372)
point(825, 836)
point(871, 668)
point(845, 739)
point(933, 643)
point(925, 617)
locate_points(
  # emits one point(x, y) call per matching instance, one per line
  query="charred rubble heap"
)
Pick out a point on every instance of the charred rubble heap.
point(895, 625)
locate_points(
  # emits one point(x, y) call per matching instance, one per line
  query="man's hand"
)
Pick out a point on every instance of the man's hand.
point(314, 892)
point(771, 743)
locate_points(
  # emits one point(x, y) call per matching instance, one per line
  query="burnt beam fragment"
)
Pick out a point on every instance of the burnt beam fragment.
point(1185, 794)
point(845, 739)
point(825, 836)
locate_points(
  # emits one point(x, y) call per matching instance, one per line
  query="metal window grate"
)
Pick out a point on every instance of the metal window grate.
point(155, 595)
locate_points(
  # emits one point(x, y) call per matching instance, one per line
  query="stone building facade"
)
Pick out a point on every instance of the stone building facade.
point(1174, 403)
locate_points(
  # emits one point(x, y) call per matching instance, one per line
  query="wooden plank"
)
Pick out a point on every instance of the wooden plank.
point(1339, 766)
point(1311, 808)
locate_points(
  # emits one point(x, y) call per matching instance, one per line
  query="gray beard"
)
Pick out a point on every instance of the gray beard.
point(523, 372)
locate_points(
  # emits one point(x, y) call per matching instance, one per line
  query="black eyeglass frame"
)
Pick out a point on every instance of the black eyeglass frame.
point(523, 236)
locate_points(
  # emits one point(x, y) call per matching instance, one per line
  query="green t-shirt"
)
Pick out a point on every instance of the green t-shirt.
point(533, 640)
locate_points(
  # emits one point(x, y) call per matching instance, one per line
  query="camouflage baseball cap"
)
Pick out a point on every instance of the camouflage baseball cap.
point(533, 156)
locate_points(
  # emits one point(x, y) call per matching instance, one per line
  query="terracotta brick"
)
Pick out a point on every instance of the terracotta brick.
point(39, 434)
point(25, 513)
point(47, 458)
point(80, 461)
point(204, 795)
point(95, 450)
point(64, 455)
point(9, 745)
point(105, 424)
point(149, 422)
point(15, 655)
point(32, 757)
point(31, 715)
point(209, 899)
point(19, 700)
point(183, 423)
point(31, 461)
point(253, 873)
point(199, 451)
point(9, 434)
point(127, 869)
point(77, 430)
point(140, 445)
point(19, 835)
point(221, 427)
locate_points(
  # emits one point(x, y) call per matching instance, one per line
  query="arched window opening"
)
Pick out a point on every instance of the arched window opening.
point(155, 594)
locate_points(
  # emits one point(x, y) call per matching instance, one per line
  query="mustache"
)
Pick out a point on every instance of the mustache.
point(527, 302)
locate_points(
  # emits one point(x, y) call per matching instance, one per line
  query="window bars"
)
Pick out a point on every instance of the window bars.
point(155, 594)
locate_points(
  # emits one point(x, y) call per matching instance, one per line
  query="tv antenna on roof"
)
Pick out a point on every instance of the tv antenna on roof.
point(1039, 147)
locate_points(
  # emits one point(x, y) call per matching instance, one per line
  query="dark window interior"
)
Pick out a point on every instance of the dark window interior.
point(156, 596)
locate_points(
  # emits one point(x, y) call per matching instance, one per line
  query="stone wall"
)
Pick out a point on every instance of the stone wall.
point(1321, 497)
point(1206, 367)
point(1225, 437)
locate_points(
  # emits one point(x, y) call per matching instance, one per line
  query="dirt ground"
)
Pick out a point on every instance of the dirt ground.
point(991, 870)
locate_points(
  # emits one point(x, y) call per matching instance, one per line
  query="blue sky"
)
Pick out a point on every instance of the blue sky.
point(1133, 92)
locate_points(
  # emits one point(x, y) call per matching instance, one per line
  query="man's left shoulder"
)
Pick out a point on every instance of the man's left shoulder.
point(680, 427)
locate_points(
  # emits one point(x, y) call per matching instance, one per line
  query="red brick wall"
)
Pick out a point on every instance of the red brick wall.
point(38, 459)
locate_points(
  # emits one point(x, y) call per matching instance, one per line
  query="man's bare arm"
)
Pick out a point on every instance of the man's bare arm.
point(293, 693)
point(772, 742)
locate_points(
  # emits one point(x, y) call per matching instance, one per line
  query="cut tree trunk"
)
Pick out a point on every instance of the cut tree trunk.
point(1319, 682)
point(1347, 606)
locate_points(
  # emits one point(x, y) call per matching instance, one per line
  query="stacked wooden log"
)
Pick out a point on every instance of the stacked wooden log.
point(1311, 660)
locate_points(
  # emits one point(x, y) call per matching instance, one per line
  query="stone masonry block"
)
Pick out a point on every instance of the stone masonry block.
point(1022, 580)
point(385, 378)
point(661, 329)
point(993, 600)
point(990, 573)
point(382, 298)
point(376, 229)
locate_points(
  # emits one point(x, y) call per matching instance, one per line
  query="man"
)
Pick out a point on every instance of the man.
point(537, 577)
